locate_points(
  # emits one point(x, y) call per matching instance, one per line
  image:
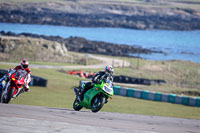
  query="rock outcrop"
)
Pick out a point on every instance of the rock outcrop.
point(30, 48)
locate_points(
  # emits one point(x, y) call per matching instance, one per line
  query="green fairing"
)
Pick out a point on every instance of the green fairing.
point(90, 94)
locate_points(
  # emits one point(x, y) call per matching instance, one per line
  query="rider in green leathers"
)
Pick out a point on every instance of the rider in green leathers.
point(107, 73)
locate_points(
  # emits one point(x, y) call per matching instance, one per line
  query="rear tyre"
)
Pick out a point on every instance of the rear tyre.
point(76, 105)
point(97, 103)
point(1, 97)
point(9, 95)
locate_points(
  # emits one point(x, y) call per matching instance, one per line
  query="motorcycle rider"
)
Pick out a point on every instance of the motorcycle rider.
point(22, 68)
point(107, 73)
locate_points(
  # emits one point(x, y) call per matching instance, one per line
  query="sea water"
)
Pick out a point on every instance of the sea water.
point(178, 45)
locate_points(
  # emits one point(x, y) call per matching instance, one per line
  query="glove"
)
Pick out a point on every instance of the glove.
point(99, 81)
point(26, 88)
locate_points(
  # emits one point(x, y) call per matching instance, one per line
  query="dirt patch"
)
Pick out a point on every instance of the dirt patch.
point(154, 68)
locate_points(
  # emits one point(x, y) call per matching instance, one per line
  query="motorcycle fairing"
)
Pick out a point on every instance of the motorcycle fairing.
point(94, 91)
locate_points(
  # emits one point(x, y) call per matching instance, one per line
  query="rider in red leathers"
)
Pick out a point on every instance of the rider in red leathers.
point(22, 68)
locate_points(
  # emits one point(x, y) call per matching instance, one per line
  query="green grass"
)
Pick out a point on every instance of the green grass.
point(182, 77)
point(90, 62)
point(78, 59)
point(59, 93)
point(138, 106)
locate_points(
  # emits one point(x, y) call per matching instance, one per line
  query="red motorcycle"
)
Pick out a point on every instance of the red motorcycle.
point(13, 87)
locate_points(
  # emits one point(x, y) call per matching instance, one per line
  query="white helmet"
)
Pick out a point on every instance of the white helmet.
point(24, 63)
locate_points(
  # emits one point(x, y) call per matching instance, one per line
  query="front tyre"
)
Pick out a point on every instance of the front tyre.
point(76, 105)
point(9, 95)
point(98, 103)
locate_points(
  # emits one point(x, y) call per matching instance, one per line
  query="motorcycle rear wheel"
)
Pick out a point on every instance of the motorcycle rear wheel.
point(76, 105)
point(1, 96)
point(98, 103)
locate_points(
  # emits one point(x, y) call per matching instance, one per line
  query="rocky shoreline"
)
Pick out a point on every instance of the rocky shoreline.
point(100, 15)
point(78, 44)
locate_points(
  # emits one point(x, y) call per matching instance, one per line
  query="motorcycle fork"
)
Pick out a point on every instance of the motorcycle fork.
point(18, 92)
point(76, 91)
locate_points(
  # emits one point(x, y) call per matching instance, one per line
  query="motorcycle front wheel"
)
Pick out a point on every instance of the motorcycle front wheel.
point(76, 105)
point(98, 103)
point(9, 95)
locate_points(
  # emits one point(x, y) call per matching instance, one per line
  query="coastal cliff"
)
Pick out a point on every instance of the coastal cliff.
point(99, 14)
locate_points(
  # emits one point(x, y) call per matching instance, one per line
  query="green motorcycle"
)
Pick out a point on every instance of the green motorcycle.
point(95, 97)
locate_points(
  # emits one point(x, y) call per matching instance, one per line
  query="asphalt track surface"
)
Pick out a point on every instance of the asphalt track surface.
point(35, 119)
